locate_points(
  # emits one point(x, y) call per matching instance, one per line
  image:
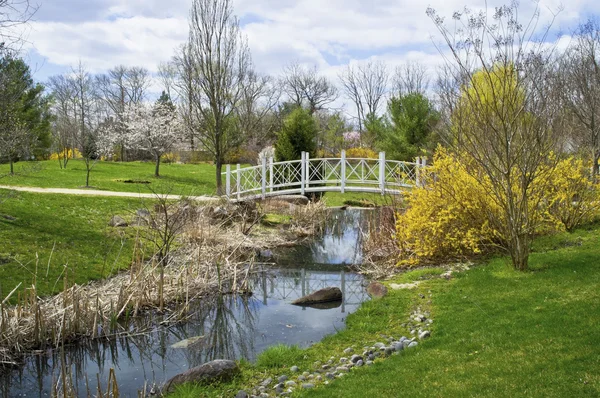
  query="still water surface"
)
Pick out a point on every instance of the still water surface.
point(229, 327)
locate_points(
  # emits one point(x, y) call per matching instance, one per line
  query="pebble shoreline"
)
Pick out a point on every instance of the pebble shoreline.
point(334, 368)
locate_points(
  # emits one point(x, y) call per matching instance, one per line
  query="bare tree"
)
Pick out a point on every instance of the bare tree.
point(121, 88)
point(504, 118)
point(304, 87)
point(219, 59)
point(14, 14)
point(410, 78)
point(185, 88)
point(167, 74)
point(87, 117)
point(65, 114)
point(581, 79)
point(365, 85)
point(258, 99)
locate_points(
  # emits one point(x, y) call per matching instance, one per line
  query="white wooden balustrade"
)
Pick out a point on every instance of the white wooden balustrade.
point(322, 175)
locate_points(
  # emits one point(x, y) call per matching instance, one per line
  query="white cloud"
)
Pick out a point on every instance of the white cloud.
point(328, 34)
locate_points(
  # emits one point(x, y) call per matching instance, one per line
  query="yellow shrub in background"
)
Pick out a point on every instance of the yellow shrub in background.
point(171, 157)
point(573, 198)
point(71, 154)
point(455, 214)
point(447, 218)
point(361, 153)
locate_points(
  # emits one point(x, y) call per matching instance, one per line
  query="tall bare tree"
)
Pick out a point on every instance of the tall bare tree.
point(410, 78)
point(13, 15)
point(304, 87)
point(258, 99)
point(184, 87)
point(65, 115)
point(87, 117)
point(366, 86)
point(120, 89)
point(581, 79)
point(220, 61)
point(504, 115)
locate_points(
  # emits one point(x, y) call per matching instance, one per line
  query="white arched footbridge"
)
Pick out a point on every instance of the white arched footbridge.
point(322, 175)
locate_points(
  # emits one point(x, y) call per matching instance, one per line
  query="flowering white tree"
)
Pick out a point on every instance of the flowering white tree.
point(154, 128)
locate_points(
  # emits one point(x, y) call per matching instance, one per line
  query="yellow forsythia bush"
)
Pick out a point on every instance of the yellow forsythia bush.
point(447, 217)
point(452, 215)
point(71, 154)
point(365, 153)
point(171, 157)
point(572, 198)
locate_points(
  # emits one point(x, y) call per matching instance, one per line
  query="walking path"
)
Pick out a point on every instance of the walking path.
point(95, 192)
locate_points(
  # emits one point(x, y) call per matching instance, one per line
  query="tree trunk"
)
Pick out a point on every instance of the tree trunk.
point(519, 252)
point(219, 167)
point(156, 169)
point(12, 168)
point(87, 176)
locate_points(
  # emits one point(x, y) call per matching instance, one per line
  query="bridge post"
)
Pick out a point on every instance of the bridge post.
point(423, 165)
point(264, 177)
point(307, 165)
point(228, 181)
point(238, 182)
point(271, 174)
point(418, 171)
point(343, 171)
point(382, 172)
point(302, 173)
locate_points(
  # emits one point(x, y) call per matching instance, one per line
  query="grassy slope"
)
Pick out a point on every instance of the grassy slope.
point(76, 226)
point(186, 179)
point(497, 333)
point(500, 333)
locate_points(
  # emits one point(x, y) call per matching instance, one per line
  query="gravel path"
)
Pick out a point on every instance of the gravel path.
point(95, 192)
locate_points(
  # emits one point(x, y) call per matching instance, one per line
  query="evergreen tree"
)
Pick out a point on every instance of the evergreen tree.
point(24, 112)
point(297, 135)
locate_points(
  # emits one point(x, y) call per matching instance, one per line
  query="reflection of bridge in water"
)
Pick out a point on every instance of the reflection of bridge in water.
point(290, 284)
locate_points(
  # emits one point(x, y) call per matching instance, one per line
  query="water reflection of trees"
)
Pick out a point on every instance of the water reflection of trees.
point(227, 322)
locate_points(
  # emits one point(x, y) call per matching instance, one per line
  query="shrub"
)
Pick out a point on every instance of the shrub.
point(455, 215)
point(574, 199)
point(171, 157)
point(447, 218)
point(71, 154)
point(362, 153)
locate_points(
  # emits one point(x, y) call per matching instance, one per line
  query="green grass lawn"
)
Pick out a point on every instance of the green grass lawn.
point(47, 232)
point(184, 179)
point(181, 179)
point(496, 333)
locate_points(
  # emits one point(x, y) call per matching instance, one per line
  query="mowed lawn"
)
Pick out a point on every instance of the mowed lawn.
point(496, 333)
point(178, 179)
point(502, 333)
point(181, 179)
point(42, 235)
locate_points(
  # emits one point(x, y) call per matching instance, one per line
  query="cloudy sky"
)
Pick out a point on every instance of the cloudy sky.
point(326, 33)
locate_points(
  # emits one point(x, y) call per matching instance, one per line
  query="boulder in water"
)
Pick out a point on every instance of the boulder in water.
point(326, 295)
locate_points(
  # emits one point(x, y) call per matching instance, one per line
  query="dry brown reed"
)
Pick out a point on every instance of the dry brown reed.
point(380, 249)
point(213, 256)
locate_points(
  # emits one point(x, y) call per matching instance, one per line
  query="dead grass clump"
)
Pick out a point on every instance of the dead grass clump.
point(380, 249)
point(192, 254)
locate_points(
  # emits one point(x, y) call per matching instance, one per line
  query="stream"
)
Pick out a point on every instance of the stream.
point(224, 327)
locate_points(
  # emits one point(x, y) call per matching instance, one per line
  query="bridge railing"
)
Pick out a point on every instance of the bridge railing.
point(322, 175)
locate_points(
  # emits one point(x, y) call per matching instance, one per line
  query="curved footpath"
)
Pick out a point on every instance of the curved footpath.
point(95, 192)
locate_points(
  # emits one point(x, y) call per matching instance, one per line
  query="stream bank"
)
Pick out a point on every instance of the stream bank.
point(152, 349)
